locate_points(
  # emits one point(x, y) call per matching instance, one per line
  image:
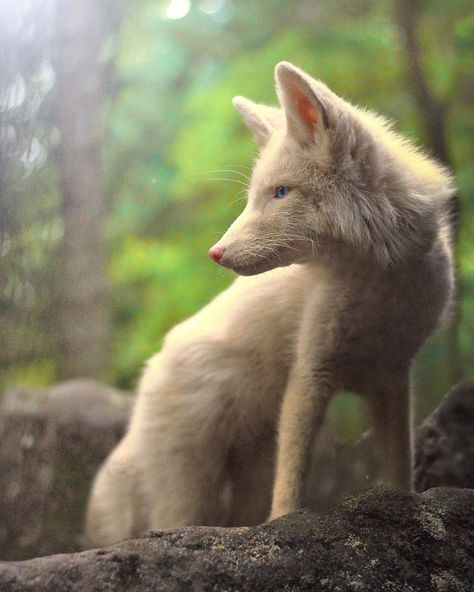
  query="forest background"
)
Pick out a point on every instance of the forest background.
point(122, 160)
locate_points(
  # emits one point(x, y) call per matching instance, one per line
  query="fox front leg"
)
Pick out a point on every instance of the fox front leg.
point(303, 411)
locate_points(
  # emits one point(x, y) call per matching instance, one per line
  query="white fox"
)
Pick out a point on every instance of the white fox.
point(346, 235)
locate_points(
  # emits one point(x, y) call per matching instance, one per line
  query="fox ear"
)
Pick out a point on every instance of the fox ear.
point(306, 116)
point(261, 120)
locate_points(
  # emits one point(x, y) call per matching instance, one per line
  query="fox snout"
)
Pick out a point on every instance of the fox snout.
point(227, 256)
point(231, 247)
point(253, 244)
point(222, 255)
point(242, 259)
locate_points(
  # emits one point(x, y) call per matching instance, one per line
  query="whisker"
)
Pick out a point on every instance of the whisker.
point(231, 203)
point(239, 166)
point(225, 171)
point(231, 180)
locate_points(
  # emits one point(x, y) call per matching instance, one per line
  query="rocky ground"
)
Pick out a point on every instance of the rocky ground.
point(381, 541)
point(52, 442)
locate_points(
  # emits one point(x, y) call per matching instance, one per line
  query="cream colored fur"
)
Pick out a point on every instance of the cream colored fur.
point(348, 275)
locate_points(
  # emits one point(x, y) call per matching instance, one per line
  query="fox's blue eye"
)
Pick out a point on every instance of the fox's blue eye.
point(281, 191)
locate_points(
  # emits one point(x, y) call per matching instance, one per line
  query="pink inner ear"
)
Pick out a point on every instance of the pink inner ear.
point(306, 109)
point(308, 112)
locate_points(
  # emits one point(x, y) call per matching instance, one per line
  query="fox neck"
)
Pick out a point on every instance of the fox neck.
point(350, 264)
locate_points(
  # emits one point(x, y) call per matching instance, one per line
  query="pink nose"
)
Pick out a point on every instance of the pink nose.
point(215, 253)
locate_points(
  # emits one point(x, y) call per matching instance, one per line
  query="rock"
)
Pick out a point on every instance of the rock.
point(381, 541)
point(52, 442)
point(444, 445)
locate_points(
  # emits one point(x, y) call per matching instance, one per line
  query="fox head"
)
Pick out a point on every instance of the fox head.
point(330, 178)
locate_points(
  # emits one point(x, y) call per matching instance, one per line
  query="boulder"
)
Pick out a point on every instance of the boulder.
point(444, 442)
point(52, 442)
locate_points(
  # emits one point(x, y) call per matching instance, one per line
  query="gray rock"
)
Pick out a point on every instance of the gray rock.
point(444, 445)
point(52, 442)
point(381, 541)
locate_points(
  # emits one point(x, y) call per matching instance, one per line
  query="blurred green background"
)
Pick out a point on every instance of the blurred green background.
point(169, 153)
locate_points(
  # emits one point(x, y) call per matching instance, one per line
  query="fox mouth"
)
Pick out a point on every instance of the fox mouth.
point(255, 266)
point(252, 268)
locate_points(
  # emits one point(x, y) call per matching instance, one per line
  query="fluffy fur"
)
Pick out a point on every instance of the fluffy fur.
point(349, 273)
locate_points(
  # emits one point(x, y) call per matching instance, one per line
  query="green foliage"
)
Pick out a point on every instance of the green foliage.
point(158, 283)
point(177, 154)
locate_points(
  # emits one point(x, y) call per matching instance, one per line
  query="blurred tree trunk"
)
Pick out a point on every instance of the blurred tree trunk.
point(432, 111)
point(433, 115)
point(84, 319)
